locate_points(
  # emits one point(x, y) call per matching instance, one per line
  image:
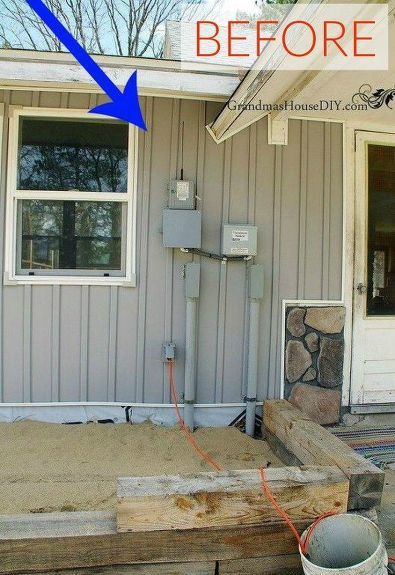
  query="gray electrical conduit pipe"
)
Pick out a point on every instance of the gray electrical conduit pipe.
point(256, 290)
point(192, 290)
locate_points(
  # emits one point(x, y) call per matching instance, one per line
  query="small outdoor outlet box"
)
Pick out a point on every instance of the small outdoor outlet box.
point(182, 228)
point(168, 351)
point(181, 195)
point(239, 240)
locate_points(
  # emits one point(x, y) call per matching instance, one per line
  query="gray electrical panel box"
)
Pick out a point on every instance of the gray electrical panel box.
point(182, 228)
point(181, 195)
point(239, 240)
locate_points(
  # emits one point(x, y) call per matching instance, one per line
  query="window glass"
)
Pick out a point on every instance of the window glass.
point(381, 230)
point(72, 155)
point(70, 235)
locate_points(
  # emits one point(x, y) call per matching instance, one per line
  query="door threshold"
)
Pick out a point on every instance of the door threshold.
point(373, 408)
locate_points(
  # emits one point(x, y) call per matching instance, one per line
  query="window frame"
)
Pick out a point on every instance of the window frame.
point(127, 276)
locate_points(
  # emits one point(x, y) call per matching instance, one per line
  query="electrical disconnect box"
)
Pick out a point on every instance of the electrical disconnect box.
point(181, 195)
point(182, 228)
point(239, 240)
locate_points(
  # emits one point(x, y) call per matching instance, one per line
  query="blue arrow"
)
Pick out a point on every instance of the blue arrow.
point(123, 105)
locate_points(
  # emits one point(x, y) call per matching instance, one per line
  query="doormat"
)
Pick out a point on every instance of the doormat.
point(377, 445)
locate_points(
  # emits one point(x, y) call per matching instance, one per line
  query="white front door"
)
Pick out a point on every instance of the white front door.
point(373, 346)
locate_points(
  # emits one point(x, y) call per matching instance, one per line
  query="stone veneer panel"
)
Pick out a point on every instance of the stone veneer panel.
point(295, 321)
point(297, 360)
point(321, 405)
point(314, 356)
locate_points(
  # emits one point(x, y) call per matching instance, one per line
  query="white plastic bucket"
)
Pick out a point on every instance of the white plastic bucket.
point(345, 544)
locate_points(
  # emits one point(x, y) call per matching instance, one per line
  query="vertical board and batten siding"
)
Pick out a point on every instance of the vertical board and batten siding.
point(70, 343)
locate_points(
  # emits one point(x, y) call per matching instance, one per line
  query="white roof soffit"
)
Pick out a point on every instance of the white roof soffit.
point(275, 86)
point(32, 70)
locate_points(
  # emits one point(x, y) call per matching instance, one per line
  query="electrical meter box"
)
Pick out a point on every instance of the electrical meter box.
point(181, 195)
point(239, 240)
point(182, 228)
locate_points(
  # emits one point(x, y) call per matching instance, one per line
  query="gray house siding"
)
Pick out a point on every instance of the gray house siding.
point(70, 343)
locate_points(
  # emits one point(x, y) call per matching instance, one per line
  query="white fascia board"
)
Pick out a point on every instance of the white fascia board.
point(154, 78)
point(111, 61)
point(275, 86)
point(258, 82)
point(272, 85)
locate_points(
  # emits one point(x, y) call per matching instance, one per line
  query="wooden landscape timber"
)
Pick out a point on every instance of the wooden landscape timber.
point(280, 565)
point(201, 524)
point(51, 542)
point(289, 430)
point(283, 564)
point(229, 498)
point(202, 568)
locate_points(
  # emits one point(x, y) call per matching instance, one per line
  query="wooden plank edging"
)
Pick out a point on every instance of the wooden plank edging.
point(277, 565)
point(47, 542)
point(228, 498)
point(314, 445)
point(201, 568)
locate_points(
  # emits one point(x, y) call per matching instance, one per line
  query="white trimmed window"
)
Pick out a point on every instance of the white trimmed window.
point(70, 199)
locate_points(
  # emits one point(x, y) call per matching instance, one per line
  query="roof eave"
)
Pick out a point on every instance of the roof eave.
point(31, 70)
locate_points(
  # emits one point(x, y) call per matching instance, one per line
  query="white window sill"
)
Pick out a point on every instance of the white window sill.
point(70, 281)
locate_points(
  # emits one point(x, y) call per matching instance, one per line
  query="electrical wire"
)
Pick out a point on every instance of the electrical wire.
point(266, 490)
point(303, 543)
point(185, 429)
point(217, 467)
point(210, 255)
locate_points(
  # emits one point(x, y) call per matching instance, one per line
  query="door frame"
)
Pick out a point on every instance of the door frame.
point(361, 137)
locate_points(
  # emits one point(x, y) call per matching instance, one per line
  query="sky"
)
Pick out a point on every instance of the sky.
point(228, 9)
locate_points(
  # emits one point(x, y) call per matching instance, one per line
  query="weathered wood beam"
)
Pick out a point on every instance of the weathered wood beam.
point(314, 445)
point(280, 450)
point(228, 498)
point(39, 543)
point(202, 568)
point(279, 565)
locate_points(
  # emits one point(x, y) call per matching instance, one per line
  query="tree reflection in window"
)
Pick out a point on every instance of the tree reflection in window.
point(71, 235)
point(62, 155)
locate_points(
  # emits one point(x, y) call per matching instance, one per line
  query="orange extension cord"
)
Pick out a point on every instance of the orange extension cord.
point(217, 467)
point(203, 454)
point(304, 545)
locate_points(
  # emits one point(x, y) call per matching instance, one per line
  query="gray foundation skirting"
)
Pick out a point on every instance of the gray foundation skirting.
point(215, 415)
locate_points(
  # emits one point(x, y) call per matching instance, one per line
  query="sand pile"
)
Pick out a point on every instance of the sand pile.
point(47, 467)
